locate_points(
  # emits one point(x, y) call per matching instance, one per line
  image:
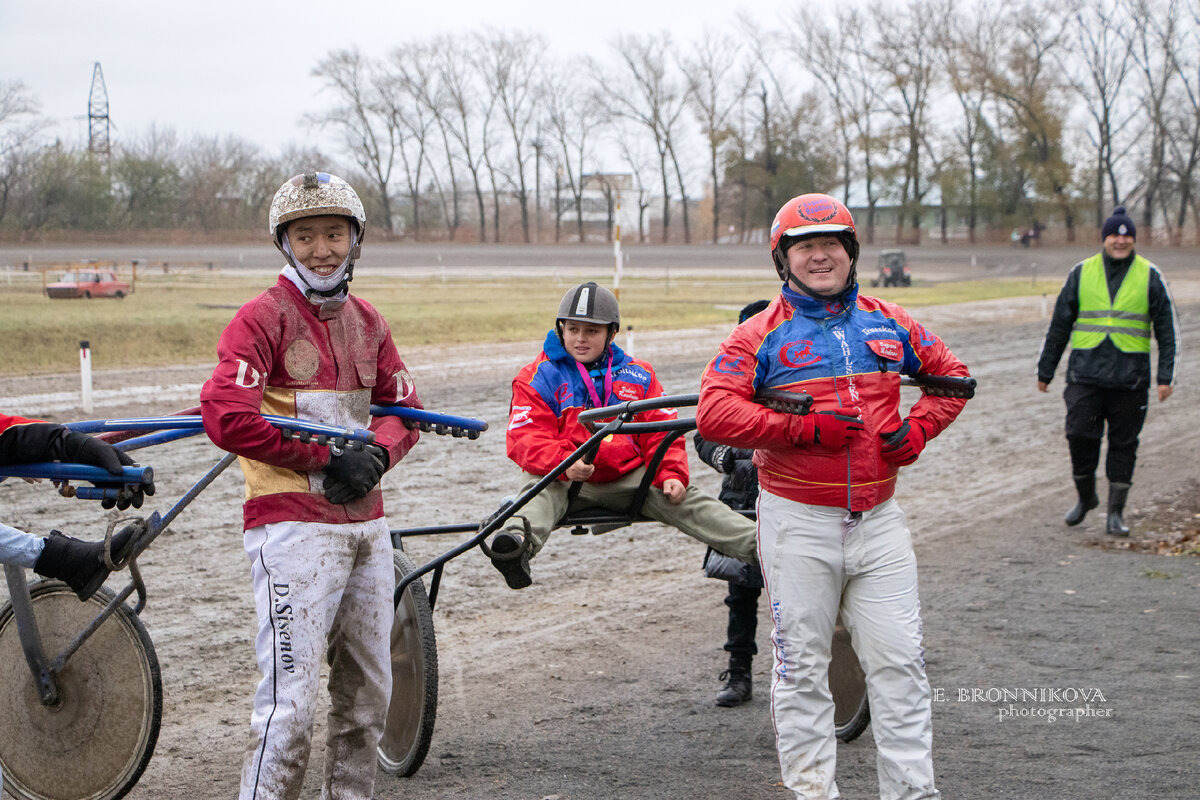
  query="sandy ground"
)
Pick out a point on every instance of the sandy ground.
point(597, 682)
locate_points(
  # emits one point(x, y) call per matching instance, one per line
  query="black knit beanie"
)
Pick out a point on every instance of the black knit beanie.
point(1118, 224)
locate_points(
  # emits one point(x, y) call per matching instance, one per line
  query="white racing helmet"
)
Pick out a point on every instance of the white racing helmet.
point(317, 194)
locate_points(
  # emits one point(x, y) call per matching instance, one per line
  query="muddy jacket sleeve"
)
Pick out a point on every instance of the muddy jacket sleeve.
point(393, 386)
point(231, 400)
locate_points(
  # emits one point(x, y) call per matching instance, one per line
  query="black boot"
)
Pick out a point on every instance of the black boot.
point(81, 564)
point(1114, 525)
point(510, 554)
point(737, 688)
point(1086, 486)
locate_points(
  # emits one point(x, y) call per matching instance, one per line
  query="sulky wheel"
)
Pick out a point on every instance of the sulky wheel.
point(413, 709)
point(848, 684)
point(96, 740)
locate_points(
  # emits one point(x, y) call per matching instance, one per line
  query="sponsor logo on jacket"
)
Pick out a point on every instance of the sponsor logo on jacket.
point(798, 354)
point(728, 365)
point(627, 391)
point(247, 376)
point(520, 417)
point(886, 348)
point(633, 373)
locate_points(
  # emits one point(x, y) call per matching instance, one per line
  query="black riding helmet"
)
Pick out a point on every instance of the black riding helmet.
point(589, 302)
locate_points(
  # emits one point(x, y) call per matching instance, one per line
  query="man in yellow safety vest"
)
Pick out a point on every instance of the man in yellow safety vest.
point(1108, 307)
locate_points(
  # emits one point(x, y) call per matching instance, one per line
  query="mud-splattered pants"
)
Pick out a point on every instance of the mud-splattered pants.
point(816, 561)
point(319, 589)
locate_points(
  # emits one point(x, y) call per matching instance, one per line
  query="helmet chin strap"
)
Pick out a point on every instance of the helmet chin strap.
point(318, 287)
point(787, 276)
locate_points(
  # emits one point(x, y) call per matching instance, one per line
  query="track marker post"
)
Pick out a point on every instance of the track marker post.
point(85, 374)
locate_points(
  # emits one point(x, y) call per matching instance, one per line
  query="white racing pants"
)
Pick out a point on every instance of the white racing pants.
point(319, 590)
point(817, 560)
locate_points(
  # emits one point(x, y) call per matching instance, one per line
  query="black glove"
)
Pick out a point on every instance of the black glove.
point(84, 449)
point(352, 473)
point(46, 441)
point(903, 445)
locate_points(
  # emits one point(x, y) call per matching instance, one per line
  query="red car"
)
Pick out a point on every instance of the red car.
point(88, 283)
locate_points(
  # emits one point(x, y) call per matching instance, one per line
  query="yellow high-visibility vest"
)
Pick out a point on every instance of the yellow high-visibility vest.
point(1125, 319)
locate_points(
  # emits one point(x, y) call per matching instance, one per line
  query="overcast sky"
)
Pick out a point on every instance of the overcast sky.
point(243, 67)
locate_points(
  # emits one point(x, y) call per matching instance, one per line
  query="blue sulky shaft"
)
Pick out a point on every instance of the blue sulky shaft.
point(159, 430)
point(194, 422)
point(433, 418)
point(56, 471)
point(427, 420)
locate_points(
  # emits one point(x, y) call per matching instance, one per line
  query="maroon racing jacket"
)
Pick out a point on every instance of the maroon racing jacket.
point(283, 355)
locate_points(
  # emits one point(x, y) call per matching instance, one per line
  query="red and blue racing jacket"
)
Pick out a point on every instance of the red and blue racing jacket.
point(547, 396)
point(847, 353)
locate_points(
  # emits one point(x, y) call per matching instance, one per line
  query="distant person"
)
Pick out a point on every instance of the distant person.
point(739, 491)
point(318, 543)
point(1107, 309)
point(831, 537)
point(79, 564)
point(581, 367)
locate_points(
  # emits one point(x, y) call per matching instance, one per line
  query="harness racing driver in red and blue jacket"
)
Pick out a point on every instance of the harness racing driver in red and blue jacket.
point(579, 368)
point(830, 536)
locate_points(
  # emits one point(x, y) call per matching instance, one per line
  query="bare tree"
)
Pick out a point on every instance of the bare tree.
point(637, 161)
point(418, 69)
point(847, 77)
point(146, 178)
point(1155, 47)
point(368, 130)
point(216, 179)
point(1026, 82)
point(20, 126)
point(1185, 139)
point(414, 122)
point(574, 114)
point(716, 89)
point(490, 154)
point(455, 74)
point(904, 54)
point(511, 68)
point(1104, 58)
point(970, 43)
point(645, 90)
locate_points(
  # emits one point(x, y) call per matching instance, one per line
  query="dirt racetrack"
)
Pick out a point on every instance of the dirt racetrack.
point(597, 682)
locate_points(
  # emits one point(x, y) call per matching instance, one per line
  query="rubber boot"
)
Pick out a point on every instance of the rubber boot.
point(80, 564)
point(510, 554)
point(1114, 525)
point(737, 688)
point(1085, 485)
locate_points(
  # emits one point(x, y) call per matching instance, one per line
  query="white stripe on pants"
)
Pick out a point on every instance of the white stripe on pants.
point(818, 560)
point(319, 589)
